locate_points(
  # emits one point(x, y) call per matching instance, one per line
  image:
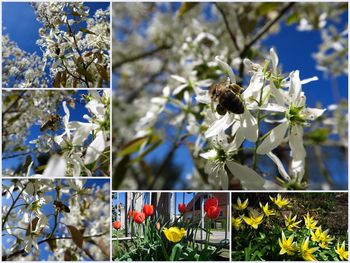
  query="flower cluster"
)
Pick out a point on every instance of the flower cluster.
point(164, 236)
point(301, 239)
point(29, 205)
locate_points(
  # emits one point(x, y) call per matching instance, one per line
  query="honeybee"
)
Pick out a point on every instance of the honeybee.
point(61, 206)
point(51, 123)
point(226, 94)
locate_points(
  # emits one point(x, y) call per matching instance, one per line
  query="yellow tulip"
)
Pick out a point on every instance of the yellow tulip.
point(174, 234)
point(236, 223)
point(254, 220)
point(307, 252)
point(341, 251)
point(240, 205)
point(266, 210)
point(279, 201)
point(291, 222)
point(287, 245)
point(310, 223)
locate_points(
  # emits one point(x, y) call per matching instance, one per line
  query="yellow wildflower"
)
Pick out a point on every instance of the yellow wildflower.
point(254, 219)
point(341, 251)
point(279, 201)
point(266, 210)
point(307, 252)
point(310, 223)
point(174, 234)
point(287, 245)
point(321, 237)
point(236, 223)
point(291, 222)
point(240, 205)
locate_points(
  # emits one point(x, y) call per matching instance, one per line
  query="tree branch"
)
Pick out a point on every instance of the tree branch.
point(151, 52)
point(233, 38)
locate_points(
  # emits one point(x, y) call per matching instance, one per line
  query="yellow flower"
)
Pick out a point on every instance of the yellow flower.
point(254, 219)
point(287, 245)
point(240, 205)
point(321, 237)
point(236, 223)
point(290, 222)
point(341, 251)
point(174, 234)
point(310, 223)
point(266, 210)
point(307, 252)
point(279, 201)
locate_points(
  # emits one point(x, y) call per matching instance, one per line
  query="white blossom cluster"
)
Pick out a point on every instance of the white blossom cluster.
point(75, 48)
point(31, 218)
point(76, 147)
point(172, 54)
point(21, 69)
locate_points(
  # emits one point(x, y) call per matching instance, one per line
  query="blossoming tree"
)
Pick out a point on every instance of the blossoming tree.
point(75, 49)
point(196, 86)
point(55, 220)
point(73, 139)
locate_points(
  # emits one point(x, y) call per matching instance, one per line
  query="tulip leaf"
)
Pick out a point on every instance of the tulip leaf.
point(176, 252)
point(76, 236)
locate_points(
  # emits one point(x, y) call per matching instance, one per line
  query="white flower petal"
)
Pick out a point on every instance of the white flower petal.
point(82, 133)
point(313, 113)
point(273, 139)
point(296, 142)
point(226, 68)
point(280, 166)
point(209, 155)
point(274, 59)
point(95, 148)
point(249, 126)
point(249, 178)
point(305, 81)
point(274, 107)
point(219, 125)
point(295, 86)
point(56, 167)
point(179, 78)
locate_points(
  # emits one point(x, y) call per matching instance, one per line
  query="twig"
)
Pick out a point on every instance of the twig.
point(232, 36)
point(117, 64)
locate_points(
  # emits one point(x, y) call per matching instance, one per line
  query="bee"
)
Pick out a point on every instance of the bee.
point(51, 123)
point(226, 94)
point(61, 206)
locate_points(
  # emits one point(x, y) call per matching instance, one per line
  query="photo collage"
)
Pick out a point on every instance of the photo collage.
point(174, 131)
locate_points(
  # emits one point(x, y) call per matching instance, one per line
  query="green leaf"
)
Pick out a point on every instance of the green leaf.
point(132, 146)
point(52, 244)
point(27, 163)
point(293, 18)
point(149, 150)
point(185, 7)
point(103, 72)
point(85, 73)
point(176, 252)
point(76, 236)
point(57, 80)
point(87, 31)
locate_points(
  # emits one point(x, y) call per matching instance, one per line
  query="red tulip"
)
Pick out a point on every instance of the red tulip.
point(131, 214)
point(117, 225)
point(211, 202)
point(182, 208)
point(213, 212)
point(148, 210)
point(139, 217)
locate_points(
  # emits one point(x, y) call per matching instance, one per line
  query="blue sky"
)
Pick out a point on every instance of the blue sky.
point(49, 209)
point(19, 21)
point(295, 51)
